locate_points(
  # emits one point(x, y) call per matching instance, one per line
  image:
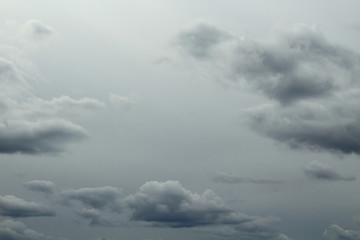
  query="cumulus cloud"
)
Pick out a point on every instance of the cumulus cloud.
point(232, 179)
point(97, 198)
point(319, 171)
point(170, 204)
point(43, 136)
point(313, 82)
point(46, 187)
point(11, 206)
point(335, 232)
point(15, 230)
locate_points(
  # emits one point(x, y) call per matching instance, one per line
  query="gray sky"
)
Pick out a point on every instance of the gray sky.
point(179, 120)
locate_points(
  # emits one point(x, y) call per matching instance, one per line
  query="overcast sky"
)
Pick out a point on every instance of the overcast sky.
point(197, 120)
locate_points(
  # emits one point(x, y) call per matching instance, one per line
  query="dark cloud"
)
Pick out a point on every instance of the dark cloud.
point(46, 187)
point(98, 198)
point(95, 217)
point(319, 171)
point(11, 206)
point(334, 232)
point(47, 136)
point(15, 230)
point(232, 179)
point(314, 84)
point(314, 126)
point(292, 65)
point(170, 204)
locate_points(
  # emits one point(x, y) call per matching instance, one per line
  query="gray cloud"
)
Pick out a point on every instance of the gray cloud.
point(98, 198)
point(46, 187)
point(232, 179)
point(334, 232)
point(11, 206)
point(37, 30)
point(15, 230)
point(311, 125)
point(43, 136)
point(200, 40)
point(291, 65)
point(170, 204)
point(319, 171)
point(96, 218)
point(314, 84)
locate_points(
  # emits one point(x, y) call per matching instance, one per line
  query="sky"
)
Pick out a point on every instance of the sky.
point(196, 120)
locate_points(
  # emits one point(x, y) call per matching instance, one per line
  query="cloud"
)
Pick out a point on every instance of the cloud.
point(319, 127)
point(11, 206)
point(334, 232)
point(37, 30)
point(30, 124)
point(125, 102)
point(313, 84)
point(319, 171)
point(42, 136)
point(46, 187)
point(15, 230)
point(170, 204)
point(96, 218)
point(200, 40)
point(291, 65)
point(97, 198)
point(232, 179)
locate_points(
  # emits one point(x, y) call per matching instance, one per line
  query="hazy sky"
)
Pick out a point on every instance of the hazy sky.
point(196, 120)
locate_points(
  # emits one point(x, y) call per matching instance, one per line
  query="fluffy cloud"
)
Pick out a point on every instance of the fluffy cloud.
point(232, 179)
point(48, 136)
point(15, 230)
point(97, 198)
point(170, 204)
point(46, 187)
point(30, 124)
point(334, 232)
point(319, 171)
point(11, 206)
point(314, 84)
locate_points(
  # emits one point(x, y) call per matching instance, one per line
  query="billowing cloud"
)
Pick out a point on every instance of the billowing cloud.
point(335, 232)
point(319, 171)
point(97, 198)
point(313, 82)
point(232, 179)
point(47, 136)
point(11, 206)
point(311, 125)
point(15, 230)
point(43, 186)
point(170, 204)
point(290, 65)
